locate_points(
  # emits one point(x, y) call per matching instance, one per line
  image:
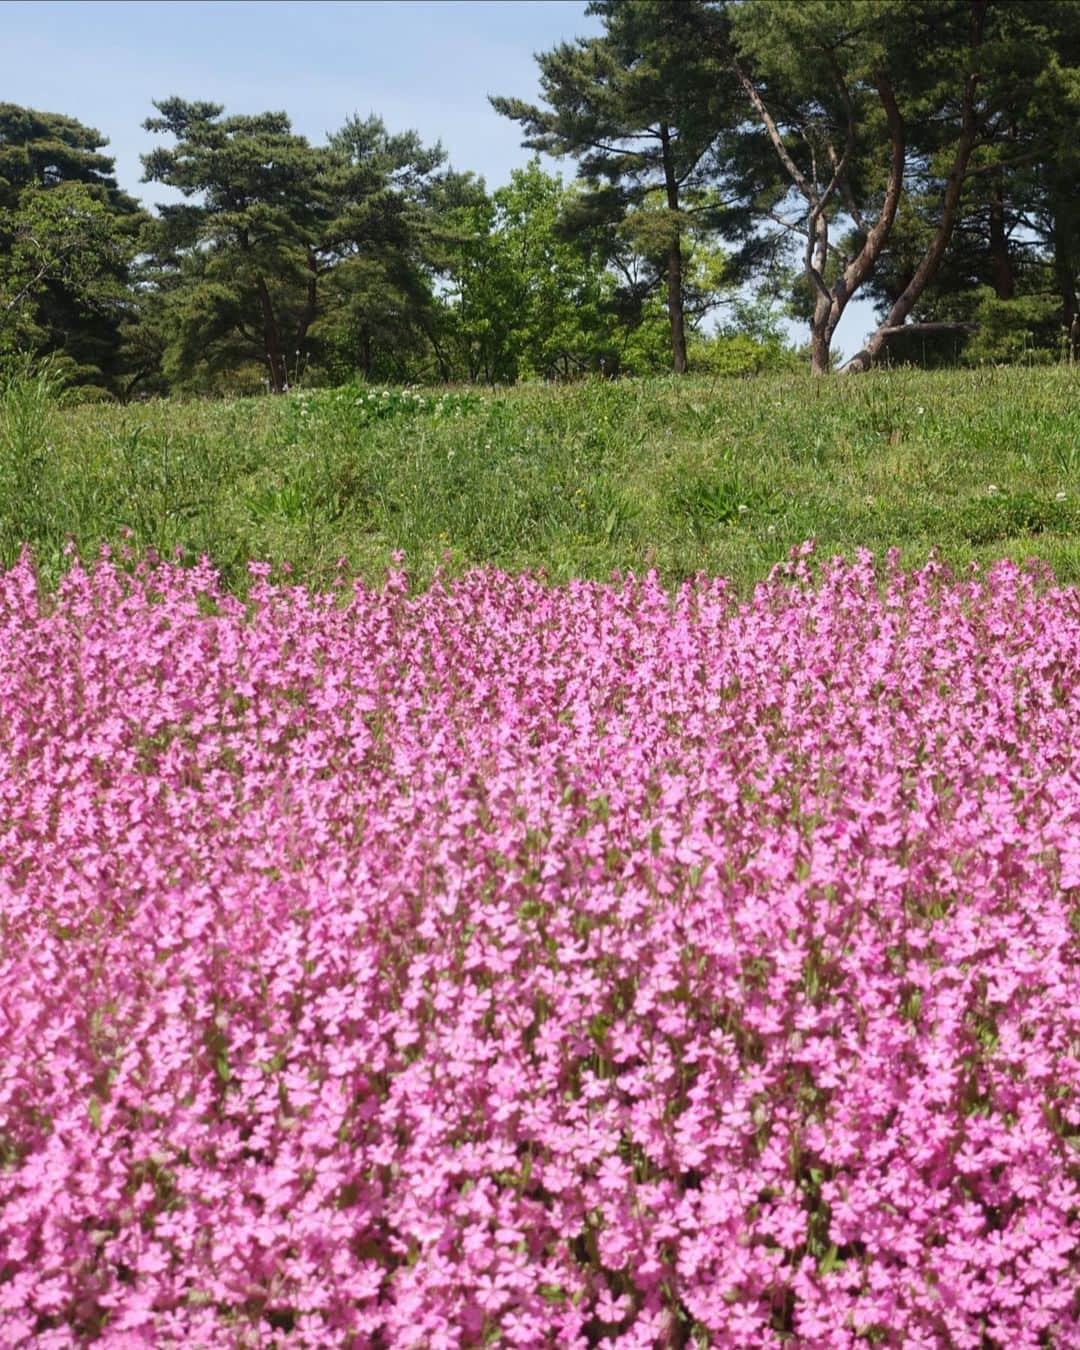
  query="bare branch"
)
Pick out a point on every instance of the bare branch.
point(795, 173)
point(813, 155)
point(46, 266)
point(864, 261)
point(830, 303)
point(25, 290)
point(693, 166)
point(840, 165)
point(942, 327)
point(791, 225)
point(816, 273)
point(849, 198)
point(619, 150)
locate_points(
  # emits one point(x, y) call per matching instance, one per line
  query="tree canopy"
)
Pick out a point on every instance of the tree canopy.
point(67, 237)
point(641, 108)
point(919, 153)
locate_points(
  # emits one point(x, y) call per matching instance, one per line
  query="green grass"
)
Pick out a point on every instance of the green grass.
point(720, 475)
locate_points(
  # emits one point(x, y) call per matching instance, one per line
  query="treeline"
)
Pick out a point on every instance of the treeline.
point(752, 160)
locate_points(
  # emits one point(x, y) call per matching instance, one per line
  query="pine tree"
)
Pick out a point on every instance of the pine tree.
point(277, 234)
point(640, 108)
point(67, 236)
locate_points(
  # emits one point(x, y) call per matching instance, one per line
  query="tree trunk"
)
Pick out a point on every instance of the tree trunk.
point(136, 379)
point(908, 298)
point(674, 266)
point(444, 367)
point(820, 341)
point(1001, 263)
point(1065, 271)
point(275, 355)
point(311, 303)
point(830, 303)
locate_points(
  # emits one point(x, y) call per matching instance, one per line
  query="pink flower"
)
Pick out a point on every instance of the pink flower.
point(503, 960)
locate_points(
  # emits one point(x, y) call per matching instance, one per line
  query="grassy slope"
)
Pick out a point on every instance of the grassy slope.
point(578, 480)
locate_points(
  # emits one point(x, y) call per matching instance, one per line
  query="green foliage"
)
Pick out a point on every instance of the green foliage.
point(67, 236)
point(61, 237)
point(239, 248)
point(1027, 328)
point(42, 149)
point(578, 479)
point(522, 299)
point(640, 107)
point(742, 354)
point(380, 254)
point(1021, 512)
point(364, 404)
point(911, 176)
point(29, 396)
point(646, 346)
point(707, 499)
point(924, 155)
point(285, 253)
point(1017, 237)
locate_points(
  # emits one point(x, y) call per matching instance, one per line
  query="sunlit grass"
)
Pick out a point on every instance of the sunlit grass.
point(721, 475)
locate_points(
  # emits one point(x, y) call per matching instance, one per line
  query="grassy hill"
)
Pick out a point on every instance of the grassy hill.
point(718, 475)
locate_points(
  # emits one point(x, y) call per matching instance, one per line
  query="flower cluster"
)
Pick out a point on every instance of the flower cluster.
point(529, 965)
point(373, 405)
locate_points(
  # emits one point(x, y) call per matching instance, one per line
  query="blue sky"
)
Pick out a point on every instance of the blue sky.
point(417, 63)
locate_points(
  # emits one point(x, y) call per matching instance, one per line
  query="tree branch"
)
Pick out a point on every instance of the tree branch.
point(942, 327)
point(1001, 164)
point(695, 162)
point(794, 172)
point(840, 166)
point(813, 232)
point(865, 260)
point(849, 198)
point(791, 225)
point(928, 265)
point(40, 275)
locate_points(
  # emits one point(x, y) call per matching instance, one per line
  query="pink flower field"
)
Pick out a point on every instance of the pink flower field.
point(521, 965)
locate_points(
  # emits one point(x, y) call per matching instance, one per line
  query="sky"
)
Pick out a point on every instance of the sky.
point(423, 64)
